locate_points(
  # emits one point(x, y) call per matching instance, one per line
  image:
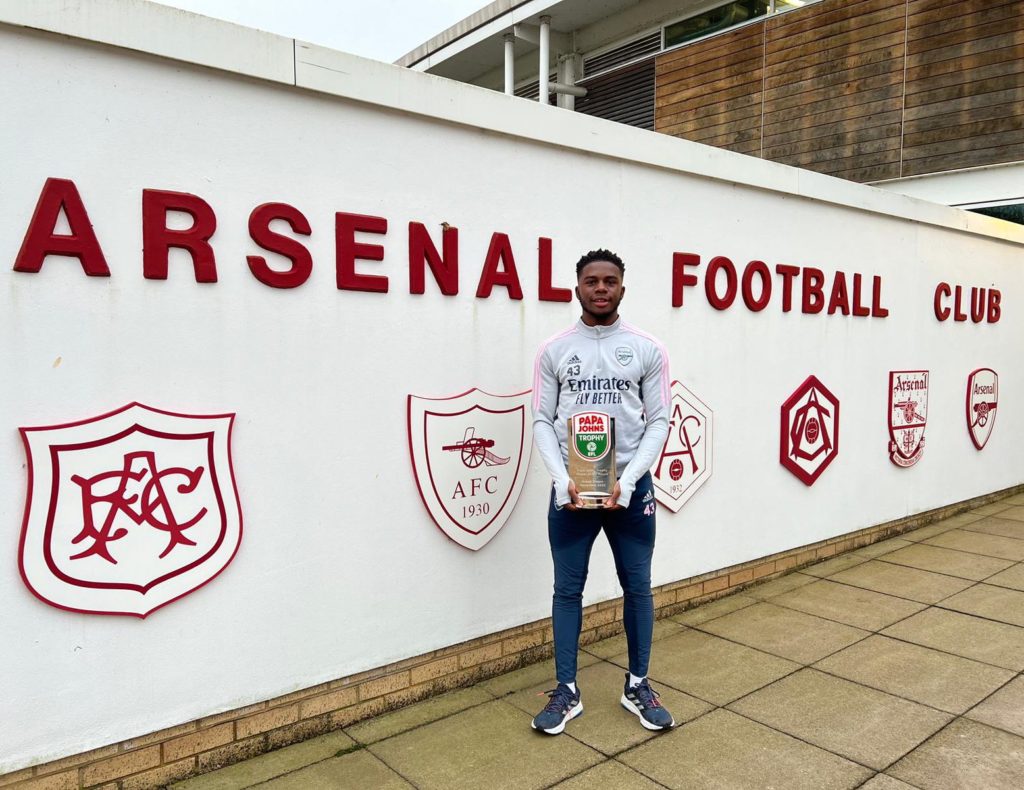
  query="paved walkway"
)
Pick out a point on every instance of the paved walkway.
point(895, 666)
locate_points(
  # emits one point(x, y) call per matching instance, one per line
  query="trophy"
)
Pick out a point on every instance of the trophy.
point(592, 456)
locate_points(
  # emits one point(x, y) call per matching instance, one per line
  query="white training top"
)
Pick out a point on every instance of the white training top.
point(614, 369)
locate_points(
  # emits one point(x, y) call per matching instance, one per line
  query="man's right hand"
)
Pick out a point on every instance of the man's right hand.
point(574, 503)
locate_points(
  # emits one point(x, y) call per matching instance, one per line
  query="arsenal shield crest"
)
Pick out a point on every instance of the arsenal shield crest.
point(685, 463)
point(809, 439)
point(128, 511)
point(469, 455)
point(982, 400)
point(908, 414)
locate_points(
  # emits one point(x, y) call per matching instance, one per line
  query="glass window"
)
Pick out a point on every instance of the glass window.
point(1013, 212)
point(708, 22)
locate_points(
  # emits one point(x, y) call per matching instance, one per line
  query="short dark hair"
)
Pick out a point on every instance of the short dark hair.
point(600, 255)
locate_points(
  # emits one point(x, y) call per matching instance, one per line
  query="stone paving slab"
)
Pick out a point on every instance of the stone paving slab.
point(783, 632)
point(884, 782)
point(913, 583)
point(980, 543)
point(1016, 512)
point(354, 771)
point(605, 725)
point(724, 751)
point(710, 668)
point(710, 611)
point(611, 775)
point(490, 745)
point(851, 605)
point(1004, 709)
point(404, 719)
point(953, 563)
point(834, 565)
point(882, 547)
point(1012, 577)
point(994, 507)
point(783, 584)
point(964, 635)
point(993, 603)
point(270, 765)
point(867, 726)
point(920, 674)
point(965, 755)
point(1006, 527)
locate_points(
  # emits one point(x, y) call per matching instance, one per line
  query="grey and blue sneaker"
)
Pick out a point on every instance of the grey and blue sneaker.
point(563, 705)
point(642, 700)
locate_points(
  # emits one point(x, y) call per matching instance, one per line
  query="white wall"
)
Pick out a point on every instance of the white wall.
point(340, 568)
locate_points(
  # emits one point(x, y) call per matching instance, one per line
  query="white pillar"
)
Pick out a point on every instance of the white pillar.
point(510, 64)
point(545, 57)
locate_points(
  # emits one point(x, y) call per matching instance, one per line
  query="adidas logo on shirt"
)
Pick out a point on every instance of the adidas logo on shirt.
point(648, 496)
point(574, 361)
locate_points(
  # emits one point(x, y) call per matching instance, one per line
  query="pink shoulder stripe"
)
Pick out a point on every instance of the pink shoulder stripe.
point(666, 387)
point(536, 363)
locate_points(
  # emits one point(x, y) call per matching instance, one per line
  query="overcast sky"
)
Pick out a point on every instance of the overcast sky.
point(381, 29)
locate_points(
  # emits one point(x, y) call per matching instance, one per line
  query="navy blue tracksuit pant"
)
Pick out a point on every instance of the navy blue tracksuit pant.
point(630, 532)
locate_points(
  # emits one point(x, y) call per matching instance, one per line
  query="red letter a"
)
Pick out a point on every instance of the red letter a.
point(40, 239)
point(499, 251)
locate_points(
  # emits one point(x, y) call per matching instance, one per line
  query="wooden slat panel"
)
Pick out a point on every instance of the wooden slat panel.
point(1010, 38)
point(710, 91)
point(938, 96)
point(822, 14)
point(868, 25)
point(780, 134)
point(975, 129)
point(815, 62)
point(954, 65)
point(974, 157)
point(962, 15)
point(1012, 97)
point(775, 146)
point(959, 118)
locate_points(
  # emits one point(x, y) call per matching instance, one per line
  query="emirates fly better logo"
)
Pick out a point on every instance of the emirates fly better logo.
point(809, 439)
point(128, 511)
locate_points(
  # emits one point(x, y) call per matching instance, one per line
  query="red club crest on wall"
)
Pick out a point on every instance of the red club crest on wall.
point(982, 400)
point(469, 455)
point(809, 439)
point(685, 463)
point(908, 415)
point(128, 511)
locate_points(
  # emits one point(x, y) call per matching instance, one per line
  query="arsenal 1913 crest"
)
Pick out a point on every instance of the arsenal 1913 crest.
point(809, 439)
point(982, 400)
point(469, 455)
point(908, 414)
point(128, 511)
point(685, 463)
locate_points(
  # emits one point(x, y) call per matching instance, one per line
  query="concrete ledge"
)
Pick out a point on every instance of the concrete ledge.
point(203, 745)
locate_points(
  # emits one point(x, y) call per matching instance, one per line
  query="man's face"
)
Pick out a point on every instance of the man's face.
point(600, 289)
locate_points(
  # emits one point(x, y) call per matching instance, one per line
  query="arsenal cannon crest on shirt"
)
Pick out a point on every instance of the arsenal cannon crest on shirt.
point(469, 454)
point(128, 511)
point(982, 400)
point(908, 415)
point(809, 439)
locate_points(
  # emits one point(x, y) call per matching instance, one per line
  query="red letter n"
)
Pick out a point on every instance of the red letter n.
point(422, 252)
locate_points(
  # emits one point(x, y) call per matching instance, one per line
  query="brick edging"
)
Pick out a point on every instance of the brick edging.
point(212, 742)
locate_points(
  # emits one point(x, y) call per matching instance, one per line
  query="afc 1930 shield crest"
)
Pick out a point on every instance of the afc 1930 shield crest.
point(982, 400)
point(128, 511)
point(908, 415)
point(685, 463)
point(809, 439)
point(470, 454)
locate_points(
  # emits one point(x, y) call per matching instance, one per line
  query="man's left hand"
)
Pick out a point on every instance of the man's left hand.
point(612, 502)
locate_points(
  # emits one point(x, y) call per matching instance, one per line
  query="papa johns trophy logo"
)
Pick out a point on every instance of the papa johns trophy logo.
point(685, 463)
point(809, 439)
point(469, 455)
point(908, 415)
point(982, 401)
point(128, 511)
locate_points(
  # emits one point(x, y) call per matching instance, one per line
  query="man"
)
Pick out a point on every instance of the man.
point(602, 360)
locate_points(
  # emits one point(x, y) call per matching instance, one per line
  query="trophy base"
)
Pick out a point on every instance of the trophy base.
point(593, 500)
